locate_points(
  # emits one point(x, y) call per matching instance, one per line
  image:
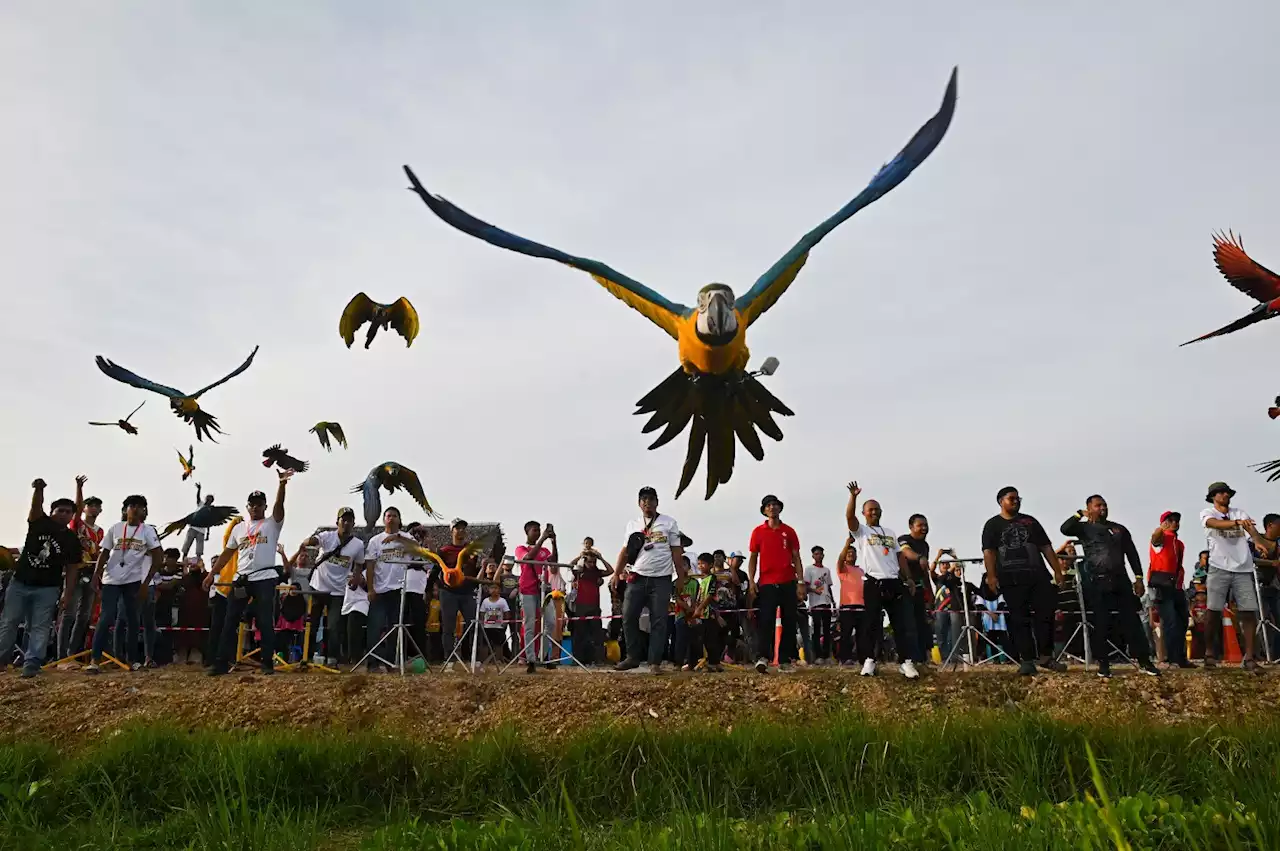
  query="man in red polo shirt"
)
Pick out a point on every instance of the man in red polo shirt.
point(775, 548)
point(1165, 578)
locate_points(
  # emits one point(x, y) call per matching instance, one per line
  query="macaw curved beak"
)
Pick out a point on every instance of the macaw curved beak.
point(716, 316)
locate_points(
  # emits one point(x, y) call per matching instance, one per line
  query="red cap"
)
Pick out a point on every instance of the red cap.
point(1168, 514)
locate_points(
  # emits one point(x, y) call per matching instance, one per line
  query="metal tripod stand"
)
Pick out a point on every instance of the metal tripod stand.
point(969, 632)
point(540, 628)
point(400, 629)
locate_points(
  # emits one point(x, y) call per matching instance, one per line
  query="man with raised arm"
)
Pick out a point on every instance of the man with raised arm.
point(1108, 594)
point(887, 586)
point(44, 574)
point(253, 543)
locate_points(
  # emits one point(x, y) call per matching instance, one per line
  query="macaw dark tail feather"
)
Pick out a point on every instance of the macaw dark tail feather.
point(724, 410)
point(206, 424)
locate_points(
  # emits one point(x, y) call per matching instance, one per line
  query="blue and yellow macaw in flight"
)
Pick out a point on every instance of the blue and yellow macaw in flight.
point(712, 387)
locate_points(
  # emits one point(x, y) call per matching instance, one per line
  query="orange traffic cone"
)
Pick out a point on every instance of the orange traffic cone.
point(1230, 643)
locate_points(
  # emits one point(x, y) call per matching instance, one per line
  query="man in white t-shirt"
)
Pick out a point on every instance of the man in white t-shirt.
point(253, 542)
point(886, 586)
point(1231, 569)
point(386, 557)
point(651, 556)
point(130, 555)
point(341, 552)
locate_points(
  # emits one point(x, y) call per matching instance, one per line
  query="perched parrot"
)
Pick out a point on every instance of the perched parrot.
point(183, 405)
point(389, 475)
point(282, 459)
point(712, 387)
point(188, 463)
point(399, 315)
point(323, 430)
point(124, 423)
point(1250, 278)
point(204, 517)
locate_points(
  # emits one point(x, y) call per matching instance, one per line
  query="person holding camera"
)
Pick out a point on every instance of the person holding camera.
point(534, 559)
point(590, 575)
point(252, 542)
point(651, 555)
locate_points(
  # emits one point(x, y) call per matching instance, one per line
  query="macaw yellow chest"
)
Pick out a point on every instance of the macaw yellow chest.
point(186, 405)
point(697, 356)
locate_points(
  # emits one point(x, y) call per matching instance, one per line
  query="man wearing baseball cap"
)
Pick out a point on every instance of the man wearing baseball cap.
point(1228, 531)
point(1165, 578)
point(654, 555)
point(253, 543)
point(341, 552)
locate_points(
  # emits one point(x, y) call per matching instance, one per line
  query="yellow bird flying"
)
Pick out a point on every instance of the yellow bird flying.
point(712, 388)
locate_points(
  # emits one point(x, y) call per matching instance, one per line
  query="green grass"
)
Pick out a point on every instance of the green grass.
point(995, 781)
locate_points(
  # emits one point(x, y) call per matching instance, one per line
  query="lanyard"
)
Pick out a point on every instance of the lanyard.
point(880, 533)
point(128, 539)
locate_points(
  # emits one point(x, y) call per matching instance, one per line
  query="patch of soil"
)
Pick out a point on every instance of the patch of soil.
point(70, 708)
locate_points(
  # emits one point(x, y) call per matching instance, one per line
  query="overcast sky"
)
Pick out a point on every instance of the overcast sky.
point(184, 181)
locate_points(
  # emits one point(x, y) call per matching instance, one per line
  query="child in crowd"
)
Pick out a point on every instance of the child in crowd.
point(494, 609)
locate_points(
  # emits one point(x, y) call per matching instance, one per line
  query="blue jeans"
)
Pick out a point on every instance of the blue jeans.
point(113, 598)
point(653, 592)
point(942, 632)
point(34, 605)
point(1172, 605)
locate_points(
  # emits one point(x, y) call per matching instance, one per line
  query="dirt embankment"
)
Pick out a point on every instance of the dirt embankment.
point(72, 708)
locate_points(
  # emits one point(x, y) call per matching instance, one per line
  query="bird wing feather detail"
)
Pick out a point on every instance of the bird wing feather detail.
point(772, 284)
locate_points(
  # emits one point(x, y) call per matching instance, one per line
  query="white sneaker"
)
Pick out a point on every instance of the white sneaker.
point(761, 665)
point(909, 671)
point(869, 668)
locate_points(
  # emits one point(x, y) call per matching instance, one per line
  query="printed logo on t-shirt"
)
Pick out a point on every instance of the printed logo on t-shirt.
point(887, 541)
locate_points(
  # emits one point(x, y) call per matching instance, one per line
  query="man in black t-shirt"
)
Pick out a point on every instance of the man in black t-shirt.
point(1015, 550)
point(1108, 594)
point(43, 576)
point(915, 547)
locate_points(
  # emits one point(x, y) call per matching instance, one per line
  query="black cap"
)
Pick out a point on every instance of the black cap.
point(647, 491)
point(257, 496)
point(769, 498)
point(93, 500)
point(458, 523)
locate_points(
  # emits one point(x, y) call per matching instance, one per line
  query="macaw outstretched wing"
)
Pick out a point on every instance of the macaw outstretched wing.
point(658, 309)
point(773, 283)
point(241, 368)
point(410, 482)
point(119, 373)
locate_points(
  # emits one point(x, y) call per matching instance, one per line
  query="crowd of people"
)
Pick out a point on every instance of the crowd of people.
point(343, 597)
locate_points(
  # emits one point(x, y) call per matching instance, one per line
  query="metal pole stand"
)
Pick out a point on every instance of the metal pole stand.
point(471, 629)
point(400, 630)
point(969, 632)
point(539, 631)
point(1082, 627)
point(1264, 622)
